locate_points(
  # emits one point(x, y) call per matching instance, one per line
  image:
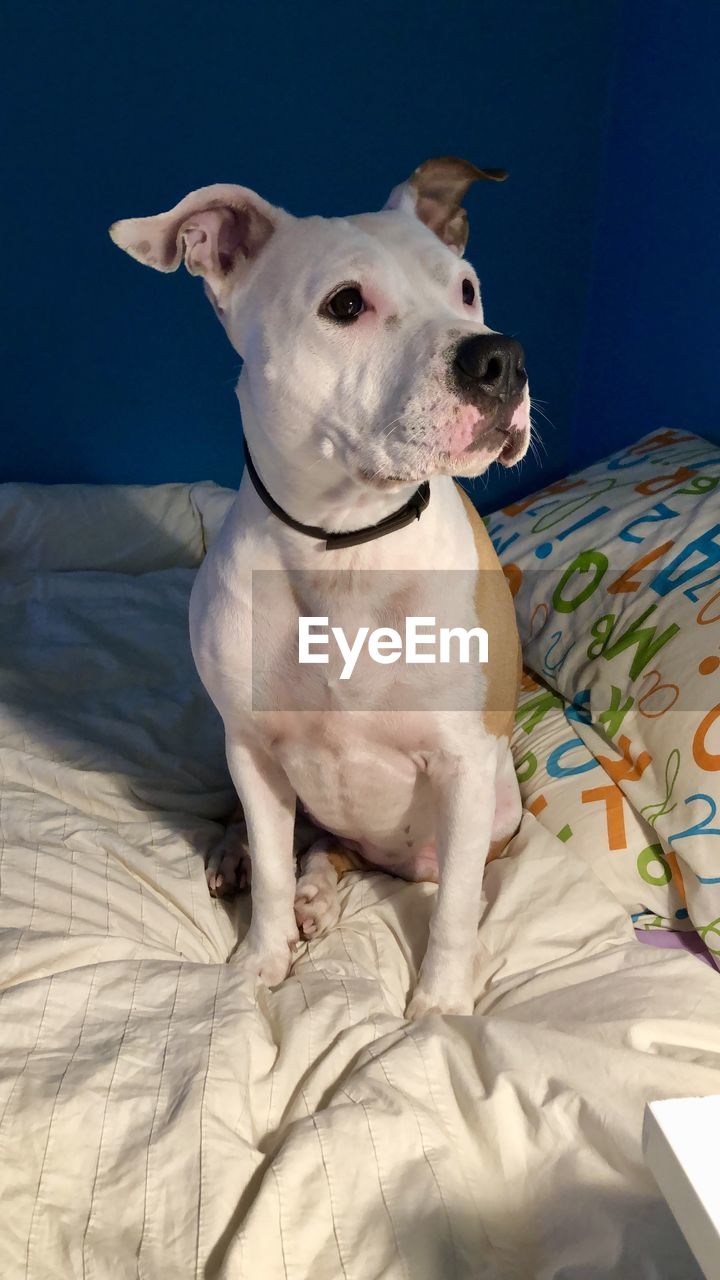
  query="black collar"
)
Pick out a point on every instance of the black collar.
point(412, 510)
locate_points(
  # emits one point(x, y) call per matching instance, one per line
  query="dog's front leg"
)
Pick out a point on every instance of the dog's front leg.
point(465, 800)
point(268, 802)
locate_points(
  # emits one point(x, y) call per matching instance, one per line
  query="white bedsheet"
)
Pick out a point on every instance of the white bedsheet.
point(156, 1119)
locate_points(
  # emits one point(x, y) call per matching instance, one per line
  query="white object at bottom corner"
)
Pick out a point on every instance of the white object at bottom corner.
point(681, 1138)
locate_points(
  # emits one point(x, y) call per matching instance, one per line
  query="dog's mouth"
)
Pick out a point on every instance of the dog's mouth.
point(502, 438)
point(515, 446)
point(507, 452)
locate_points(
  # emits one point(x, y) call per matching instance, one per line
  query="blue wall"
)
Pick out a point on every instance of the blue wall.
point(653, 332)
point(118, 374)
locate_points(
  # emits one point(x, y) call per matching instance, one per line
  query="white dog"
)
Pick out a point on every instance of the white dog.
point(368, 371)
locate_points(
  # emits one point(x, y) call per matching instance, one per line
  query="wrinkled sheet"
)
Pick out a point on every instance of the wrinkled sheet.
point(159, 1118)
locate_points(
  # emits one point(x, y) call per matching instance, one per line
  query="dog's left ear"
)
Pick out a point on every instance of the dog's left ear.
point(434, 193)
point(218, 231)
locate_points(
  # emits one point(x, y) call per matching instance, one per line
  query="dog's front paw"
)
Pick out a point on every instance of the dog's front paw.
point(317, 906)
point(424, 1000)
point(227, 869)
point(267, 964)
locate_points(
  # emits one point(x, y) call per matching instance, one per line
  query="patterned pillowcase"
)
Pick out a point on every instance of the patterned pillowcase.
point(616, 578)
point(573, 793)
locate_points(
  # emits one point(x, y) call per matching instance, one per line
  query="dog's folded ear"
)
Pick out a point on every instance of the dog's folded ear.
point(434, 193)
point(218, 231)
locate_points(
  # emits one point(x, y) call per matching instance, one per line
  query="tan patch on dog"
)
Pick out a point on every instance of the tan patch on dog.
point(342, 861)
point(497, 847)
point(496, 613)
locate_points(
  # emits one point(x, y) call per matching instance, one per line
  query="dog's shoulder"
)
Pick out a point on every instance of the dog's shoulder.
point(487, 559)
point(495, 612)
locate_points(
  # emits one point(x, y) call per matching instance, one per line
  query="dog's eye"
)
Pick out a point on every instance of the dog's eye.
point(468, 292)
point(345, 305)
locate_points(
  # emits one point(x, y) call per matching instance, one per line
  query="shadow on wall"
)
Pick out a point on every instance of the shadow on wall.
point(116, 374)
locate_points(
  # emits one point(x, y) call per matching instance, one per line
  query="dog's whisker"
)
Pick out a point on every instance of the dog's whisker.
point(536, 440)
point(386, 430)
point(534, 406)
point(538, 443)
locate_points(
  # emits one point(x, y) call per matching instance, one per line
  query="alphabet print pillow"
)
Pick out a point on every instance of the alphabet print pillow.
point(615, 572)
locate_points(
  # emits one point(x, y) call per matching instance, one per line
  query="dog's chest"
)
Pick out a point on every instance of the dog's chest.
point(386, 641)
point(353, 781)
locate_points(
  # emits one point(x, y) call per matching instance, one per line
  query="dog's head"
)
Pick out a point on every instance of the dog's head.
point(363, 338)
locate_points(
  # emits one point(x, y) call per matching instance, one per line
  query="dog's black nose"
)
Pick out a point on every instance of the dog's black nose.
point(495, 364)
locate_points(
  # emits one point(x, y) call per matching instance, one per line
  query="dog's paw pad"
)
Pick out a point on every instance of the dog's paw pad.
point(227, 870)
point(268, 965)
point(215, 883)
point(317, 907)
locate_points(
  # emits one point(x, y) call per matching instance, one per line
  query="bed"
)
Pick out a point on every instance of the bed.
point(157, 1120)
